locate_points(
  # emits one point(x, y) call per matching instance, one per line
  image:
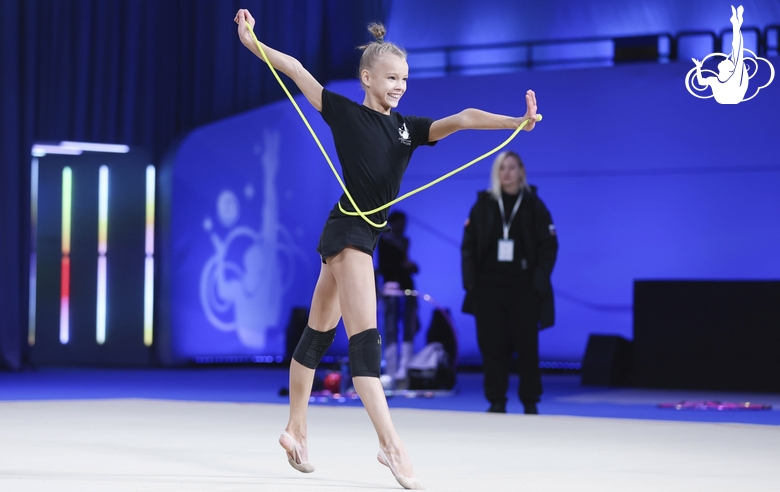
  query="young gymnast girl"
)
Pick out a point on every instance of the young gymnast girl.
point(374, 144)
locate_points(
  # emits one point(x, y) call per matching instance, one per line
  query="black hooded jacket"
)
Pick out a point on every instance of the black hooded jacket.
point(540, 246)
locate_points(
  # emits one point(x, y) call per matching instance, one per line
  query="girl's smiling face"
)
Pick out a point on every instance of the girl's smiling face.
point(385, 83)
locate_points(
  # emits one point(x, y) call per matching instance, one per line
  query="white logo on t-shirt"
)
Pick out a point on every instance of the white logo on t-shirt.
point(404, 133)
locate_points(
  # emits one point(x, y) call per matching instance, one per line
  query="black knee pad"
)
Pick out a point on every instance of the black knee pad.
point(365, 353)
point(312, 346)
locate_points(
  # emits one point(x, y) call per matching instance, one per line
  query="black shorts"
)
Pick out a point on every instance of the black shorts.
point(341, 231)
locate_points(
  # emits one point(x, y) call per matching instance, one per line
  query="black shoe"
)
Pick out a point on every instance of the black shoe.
point(497, 408)
point(530, 409)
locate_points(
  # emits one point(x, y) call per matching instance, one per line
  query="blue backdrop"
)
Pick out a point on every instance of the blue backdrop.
point(464, 23)
point(248, 200)
point(643, 181)
point(142, 72)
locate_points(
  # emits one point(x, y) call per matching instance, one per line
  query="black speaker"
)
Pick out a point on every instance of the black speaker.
point(636, 48)
point(707, 335)
point(608, 361)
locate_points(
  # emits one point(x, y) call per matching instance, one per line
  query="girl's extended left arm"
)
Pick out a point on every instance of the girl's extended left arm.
point(475, 119)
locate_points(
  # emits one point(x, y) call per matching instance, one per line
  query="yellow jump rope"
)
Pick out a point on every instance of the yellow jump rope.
point(357, 211)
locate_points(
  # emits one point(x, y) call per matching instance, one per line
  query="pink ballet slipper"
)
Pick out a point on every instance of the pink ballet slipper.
point(406, 482)
point(294, 456)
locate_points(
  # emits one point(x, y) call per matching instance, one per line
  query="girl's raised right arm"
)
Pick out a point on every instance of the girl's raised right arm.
point(286, 64)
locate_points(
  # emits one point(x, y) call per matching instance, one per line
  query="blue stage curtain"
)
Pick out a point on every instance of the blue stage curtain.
point(12, 132)
point(140, 73)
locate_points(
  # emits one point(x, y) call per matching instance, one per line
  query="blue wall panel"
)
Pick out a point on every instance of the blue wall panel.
point(643, 181)
point(436, 23)
point(247, 207)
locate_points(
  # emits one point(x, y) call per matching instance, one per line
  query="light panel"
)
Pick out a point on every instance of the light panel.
point(103, 211)
point(102, 250)
point(93, 207)
point(149, 261)
point(97, 147)
point(67, 198)
point(150, 185)
point(100, 324)
point(148, 300)
point(40, 150)
point(32, 304)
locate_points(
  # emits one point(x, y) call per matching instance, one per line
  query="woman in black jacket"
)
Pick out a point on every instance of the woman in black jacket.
point(508, 253)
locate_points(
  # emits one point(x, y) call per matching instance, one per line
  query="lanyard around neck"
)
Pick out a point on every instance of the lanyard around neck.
point(506, 224)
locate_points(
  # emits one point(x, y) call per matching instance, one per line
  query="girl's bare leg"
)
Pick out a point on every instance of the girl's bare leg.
point(354, 273)
point(323, 316)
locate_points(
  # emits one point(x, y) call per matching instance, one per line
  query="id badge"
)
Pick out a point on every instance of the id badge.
point(506, 250)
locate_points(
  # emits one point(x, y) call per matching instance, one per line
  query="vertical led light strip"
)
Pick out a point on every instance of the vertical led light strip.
point(102, 250)
point(31, 317)
point(149, 262)
point(67, 198)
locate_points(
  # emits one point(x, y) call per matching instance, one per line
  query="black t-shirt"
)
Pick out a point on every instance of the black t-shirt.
point(374, 150)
